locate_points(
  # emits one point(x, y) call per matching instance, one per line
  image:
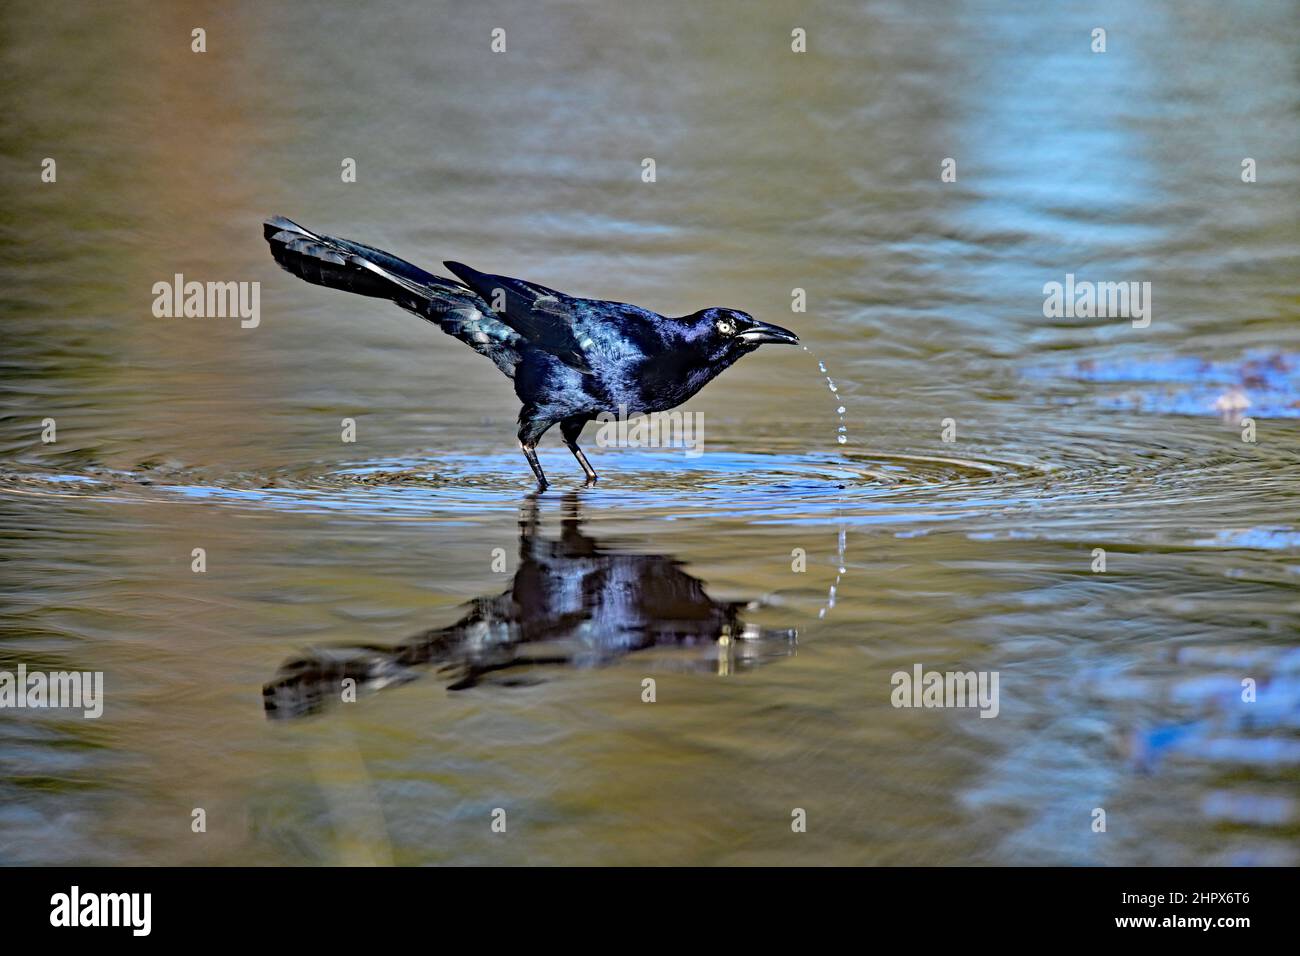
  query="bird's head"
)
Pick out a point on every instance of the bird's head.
point(728, 333)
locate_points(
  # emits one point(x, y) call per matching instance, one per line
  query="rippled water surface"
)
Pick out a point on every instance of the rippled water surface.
point(499, 638)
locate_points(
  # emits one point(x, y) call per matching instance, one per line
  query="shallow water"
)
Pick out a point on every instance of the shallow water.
point(513, 678)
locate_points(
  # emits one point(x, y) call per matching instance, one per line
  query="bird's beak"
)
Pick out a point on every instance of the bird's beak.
point(763, 332)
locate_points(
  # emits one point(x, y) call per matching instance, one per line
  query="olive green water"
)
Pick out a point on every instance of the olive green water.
point(1119, 690)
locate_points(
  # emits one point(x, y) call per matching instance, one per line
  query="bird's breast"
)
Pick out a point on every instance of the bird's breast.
point(665, 381)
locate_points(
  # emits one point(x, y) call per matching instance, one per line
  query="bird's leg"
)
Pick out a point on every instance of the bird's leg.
point(582, 460)
point(571, 428)
point(530, 452)
point(531, 429)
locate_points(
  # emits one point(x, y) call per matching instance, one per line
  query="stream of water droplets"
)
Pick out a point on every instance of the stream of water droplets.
point(841, 437)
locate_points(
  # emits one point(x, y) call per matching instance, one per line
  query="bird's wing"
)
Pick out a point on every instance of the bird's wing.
point(544, 317)
point(365, 270)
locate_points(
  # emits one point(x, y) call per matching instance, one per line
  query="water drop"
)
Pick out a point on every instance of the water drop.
point(842, 438)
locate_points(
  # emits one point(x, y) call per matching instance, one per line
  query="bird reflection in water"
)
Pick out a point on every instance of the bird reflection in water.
point(573, 601)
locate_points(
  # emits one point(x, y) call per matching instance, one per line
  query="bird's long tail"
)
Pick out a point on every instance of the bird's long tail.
point(351, 266)
point(354, 267)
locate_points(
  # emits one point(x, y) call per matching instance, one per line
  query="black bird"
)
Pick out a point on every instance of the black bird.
point(574, 601)
point(571, 359)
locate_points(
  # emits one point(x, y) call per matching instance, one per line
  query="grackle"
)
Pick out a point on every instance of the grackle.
point(571, 359)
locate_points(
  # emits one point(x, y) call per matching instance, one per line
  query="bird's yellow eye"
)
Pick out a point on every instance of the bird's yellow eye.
point(725, 327)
